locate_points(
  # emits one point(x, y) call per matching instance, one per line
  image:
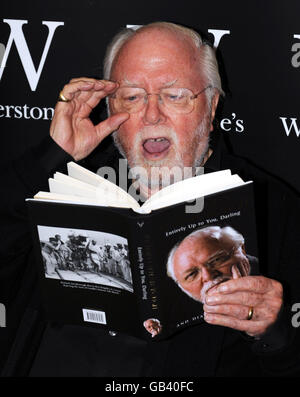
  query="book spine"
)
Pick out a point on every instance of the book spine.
point(144, 276)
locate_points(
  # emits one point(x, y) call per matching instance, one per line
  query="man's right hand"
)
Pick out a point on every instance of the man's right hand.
point(71, 127)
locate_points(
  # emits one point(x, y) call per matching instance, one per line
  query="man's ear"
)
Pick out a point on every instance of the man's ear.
point(214, 105)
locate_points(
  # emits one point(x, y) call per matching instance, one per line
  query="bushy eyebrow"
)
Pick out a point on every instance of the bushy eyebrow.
point(216, 255)
point(220, 254)
point(133, 84)
point(189, 271)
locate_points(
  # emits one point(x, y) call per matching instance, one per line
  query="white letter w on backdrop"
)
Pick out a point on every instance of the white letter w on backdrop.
point(17, 35)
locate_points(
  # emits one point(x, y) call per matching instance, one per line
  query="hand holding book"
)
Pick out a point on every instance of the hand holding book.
point(228, 304)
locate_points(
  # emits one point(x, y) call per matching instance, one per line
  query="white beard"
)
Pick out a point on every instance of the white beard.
point(209, 284)
point(175, 165)
point(206, 286)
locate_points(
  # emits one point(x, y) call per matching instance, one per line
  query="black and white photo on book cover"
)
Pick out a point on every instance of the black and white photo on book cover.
point(85, 256)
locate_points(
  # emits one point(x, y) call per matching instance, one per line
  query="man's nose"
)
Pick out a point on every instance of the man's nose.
point(153, 114)
point(206, 274)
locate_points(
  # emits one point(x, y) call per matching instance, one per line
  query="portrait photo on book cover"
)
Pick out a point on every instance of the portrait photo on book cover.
point(85, 256)
point(153, 326)
point(207, 257)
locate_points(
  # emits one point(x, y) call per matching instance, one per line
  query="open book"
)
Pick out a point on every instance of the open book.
point(106, 261)
point(85, 187)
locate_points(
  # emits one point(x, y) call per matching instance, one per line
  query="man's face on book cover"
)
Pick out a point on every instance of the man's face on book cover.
point(153, 326)
point(200, 262)
point(157, 135)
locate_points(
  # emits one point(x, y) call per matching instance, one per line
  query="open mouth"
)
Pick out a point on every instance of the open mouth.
point(156, 146)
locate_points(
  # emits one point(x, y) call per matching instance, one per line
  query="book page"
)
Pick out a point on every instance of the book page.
point(214, 177)
point(71, 199)
point(58, 176)
point(103, 185)
point(67, 185)
point(192, 188)
point(106, 194)
point(93, 189)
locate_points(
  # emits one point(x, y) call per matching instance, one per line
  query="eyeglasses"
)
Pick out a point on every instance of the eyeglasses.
point(214, 265)
point(134, 99)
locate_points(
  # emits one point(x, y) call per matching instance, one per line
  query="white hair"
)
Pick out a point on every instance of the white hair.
point(208, 61)
point(225, 234)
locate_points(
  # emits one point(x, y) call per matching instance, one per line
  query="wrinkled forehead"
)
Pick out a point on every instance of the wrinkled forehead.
point(200, 247)
point(156, 51)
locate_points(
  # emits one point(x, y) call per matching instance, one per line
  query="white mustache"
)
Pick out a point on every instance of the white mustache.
point(209, 284)
point(157, 132)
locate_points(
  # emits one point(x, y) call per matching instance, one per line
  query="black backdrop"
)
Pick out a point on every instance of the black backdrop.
point(259, 54)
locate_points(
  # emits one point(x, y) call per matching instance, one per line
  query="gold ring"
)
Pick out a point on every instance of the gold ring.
point(62, 98)
point(250, 313)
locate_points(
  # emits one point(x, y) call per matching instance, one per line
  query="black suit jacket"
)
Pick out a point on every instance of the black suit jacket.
point(30, 346)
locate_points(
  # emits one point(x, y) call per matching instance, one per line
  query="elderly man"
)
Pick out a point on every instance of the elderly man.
point(162, 87)
point(162, 103)
point(153, 326)
point(208, 257)
point(95, 251)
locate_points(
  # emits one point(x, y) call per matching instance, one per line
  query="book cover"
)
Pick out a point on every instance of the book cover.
point(141, 274)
